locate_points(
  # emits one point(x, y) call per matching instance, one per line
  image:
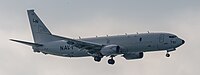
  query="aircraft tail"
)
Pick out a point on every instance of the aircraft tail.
point(40, 32)
point(27, 43)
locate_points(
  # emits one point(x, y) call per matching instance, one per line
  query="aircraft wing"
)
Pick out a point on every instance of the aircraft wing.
point(91, 47)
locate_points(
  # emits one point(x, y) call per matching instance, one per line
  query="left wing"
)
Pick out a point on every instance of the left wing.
point(90, 47)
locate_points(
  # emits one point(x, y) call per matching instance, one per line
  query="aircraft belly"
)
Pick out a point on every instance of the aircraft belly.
point(63, 49)
point(67, 53)
point(74, 53)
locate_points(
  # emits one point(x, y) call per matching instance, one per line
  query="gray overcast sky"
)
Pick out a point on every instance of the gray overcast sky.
point(73, 18)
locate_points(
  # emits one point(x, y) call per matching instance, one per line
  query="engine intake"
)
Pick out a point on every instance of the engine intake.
point(110, 50)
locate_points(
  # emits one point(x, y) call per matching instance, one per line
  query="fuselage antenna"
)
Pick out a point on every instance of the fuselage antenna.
point(126, 34)
point(79, 37)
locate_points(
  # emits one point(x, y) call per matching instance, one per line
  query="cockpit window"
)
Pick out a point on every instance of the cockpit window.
point(172, 36)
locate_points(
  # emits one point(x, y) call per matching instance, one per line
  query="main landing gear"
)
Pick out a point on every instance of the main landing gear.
point(97, 59)
point(111, 61)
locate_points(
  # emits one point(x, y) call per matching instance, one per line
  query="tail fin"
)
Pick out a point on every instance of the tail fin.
point(40, 32)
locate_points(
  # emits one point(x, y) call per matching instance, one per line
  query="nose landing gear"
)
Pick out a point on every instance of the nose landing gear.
point(169, 50)
point(167, 55)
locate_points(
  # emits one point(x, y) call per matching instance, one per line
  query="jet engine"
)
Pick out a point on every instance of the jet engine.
point(110, 50)
point(133, 55)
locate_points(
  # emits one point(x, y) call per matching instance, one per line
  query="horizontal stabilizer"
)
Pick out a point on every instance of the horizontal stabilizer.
point(26, 43)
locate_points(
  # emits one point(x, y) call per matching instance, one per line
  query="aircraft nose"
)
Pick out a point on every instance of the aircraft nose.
point(183, 41)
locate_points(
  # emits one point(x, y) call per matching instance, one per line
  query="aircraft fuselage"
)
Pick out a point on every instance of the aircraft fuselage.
point(129, 43)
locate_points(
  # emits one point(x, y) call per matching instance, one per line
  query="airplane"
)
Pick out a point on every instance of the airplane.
point(129, 46)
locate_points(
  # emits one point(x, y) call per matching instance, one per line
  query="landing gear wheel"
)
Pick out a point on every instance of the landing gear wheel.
point(167, 55)
point(111, 61)
point(97, 59)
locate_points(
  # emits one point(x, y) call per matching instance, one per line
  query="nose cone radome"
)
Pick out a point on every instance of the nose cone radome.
point(183, 41)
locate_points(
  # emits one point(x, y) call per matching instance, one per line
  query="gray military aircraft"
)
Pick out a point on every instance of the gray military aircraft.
point(129, 46)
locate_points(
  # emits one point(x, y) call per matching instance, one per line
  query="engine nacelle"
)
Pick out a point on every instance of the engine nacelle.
point(133, 55)
point(110, 50)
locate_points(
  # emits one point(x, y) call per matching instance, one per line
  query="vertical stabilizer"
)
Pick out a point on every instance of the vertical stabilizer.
point(40, 32)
